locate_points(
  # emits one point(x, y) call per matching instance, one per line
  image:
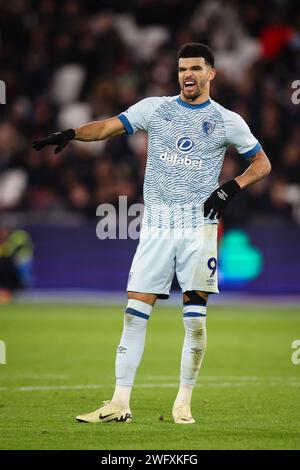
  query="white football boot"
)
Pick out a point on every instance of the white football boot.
point(108, 412)
point(182, 414)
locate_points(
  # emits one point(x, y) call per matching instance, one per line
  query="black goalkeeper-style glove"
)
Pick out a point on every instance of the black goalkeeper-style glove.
point(217, 202)
point(61, 139)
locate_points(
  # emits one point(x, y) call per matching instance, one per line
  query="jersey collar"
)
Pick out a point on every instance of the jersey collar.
point(193, 106)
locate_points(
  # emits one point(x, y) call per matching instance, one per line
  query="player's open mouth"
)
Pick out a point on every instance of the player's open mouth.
point(189, 85)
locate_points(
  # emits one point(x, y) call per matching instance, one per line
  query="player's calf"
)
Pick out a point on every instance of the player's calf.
point(194, 320)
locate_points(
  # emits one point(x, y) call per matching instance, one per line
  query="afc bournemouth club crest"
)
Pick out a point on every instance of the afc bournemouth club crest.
point(208, 126)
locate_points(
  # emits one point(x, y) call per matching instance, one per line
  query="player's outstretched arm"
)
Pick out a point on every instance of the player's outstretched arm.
point(97, 130)
point(217, 202)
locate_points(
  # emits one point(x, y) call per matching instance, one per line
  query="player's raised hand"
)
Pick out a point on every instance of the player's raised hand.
point(217, 202)
point(61, 139)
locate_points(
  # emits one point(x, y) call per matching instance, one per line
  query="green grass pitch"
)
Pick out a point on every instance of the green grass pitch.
point(60, 362)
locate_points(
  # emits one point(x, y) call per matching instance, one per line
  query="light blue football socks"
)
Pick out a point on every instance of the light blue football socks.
point(193, 350)
point(131, 348)
point(194, 320)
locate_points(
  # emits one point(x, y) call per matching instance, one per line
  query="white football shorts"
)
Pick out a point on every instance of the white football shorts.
point(191, 253)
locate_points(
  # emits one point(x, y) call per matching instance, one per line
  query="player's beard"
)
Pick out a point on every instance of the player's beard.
point(193, 95)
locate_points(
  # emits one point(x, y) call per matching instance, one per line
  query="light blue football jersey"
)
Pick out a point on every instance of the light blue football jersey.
point(186, 148)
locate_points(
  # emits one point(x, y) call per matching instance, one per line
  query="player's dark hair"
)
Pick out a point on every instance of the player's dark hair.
point(195, 49)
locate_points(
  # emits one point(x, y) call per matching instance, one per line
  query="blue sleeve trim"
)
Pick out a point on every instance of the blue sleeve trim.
point(126, 124)
point(252, 152)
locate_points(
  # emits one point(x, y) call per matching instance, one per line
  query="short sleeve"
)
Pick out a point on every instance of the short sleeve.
point(137, 117)
point(239, 135)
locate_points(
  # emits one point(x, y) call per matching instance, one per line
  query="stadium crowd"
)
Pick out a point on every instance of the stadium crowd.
point(68, 62)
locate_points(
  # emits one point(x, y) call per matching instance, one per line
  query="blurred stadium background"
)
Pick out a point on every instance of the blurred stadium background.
point(68, 62)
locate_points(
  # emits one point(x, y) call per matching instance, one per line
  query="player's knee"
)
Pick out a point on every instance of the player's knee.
point(149, 299)
point(192, 297)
